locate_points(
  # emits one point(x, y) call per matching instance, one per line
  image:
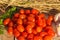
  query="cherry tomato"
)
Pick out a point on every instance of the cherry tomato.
point(27, 11)
point(34, 11)
point(49, 22)
point(38, 38)
point(10, 30)
point(30, 39)
point(47, 38)
point(24, 34)
point(22, 16)
point(32, 19)
point(30, 36)
point(6, 21)
point(38, 29)
point(20, 28)
point(25, 22)
point(16, 15)
point(16, 33)
point(31, 15)
point(10, 24)
point(21, 38)
point(19, 21)
point(22, 11)
point(29, 29)
point(34, 31)
point(42, 34)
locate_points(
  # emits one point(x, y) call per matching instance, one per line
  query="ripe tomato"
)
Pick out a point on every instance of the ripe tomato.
point(16, 15)
point(31, 15)
point(6, 21)
point(49, 22)
point(24, 34)
point(22, 16)
point(34, 31)
point(32, 19)
point(19, 21)
point(38, 38)
point(20, 28)
point(38, 29)
point(47, 38)
point(42, 34)
point(30, 39)
point(22, 11)
point(16, 33)
point(34, 11)
point(10, 30)
point(30, 36)
point(27, 11)
point(10, 24)
point(29, 29)
point(21, 38)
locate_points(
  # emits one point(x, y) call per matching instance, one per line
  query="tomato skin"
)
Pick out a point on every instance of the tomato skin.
point(31, 15)
point(30, 36)
point(34, 31)
point(34, 11)
point(6, 21)
point(19, 21)
point(22, 11)
point(10, 24)
point(21, 38)
point(20, 28)
point(16, 15)
point(22, 16)
point(24, 34)
point(27, 11)
point(42, 34)
point(47, 38)
point(10, 30)
point(39, 29)
point(16, 33)
point(38, 38)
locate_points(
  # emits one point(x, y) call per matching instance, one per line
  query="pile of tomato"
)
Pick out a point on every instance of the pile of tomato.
point(30, 25)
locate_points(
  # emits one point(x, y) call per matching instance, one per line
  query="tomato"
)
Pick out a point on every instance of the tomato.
point(22, 11)
point(38, 29)
point(20, 28)
point(43, 34)
point(27, 11)
point(34, 31)
point(49, 22)
point(32, 19)
point(10, 30)
point(31, 15)
point(22, 16)
point(19, 21)
point(16, 15)
point(30, 36)
point(38, 38)
point(29, 29)
point(21, 38)
point(10, 24)
point(47, 38)
point(24, 34)
point(6, 21)
point(16, 33)
point(34, 11)
point(30, 39)
point(25, 22)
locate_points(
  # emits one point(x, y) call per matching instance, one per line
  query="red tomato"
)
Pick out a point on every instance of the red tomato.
point(49, 22)
point(22, 16)
point(30, 39)
point(6, 21)
point(27, 11)
point(47, 38)
point(10, 24)
point(21, 38)
point(34, 11)
point(16, 15)
point(29, 29)
point(38, 38)
point(38, 29)
point(30, 36)
point(42, 34)
point(31, 15)
point(24, 34)
point(22, 11)
point(19, 21)
point(20, 28)
point(32, 19)
point(34, 31)
point(10, 30)
point(16, 33)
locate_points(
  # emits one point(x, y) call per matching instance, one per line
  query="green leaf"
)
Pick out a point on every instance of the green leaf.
point(1, 21)
point(1, 31)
